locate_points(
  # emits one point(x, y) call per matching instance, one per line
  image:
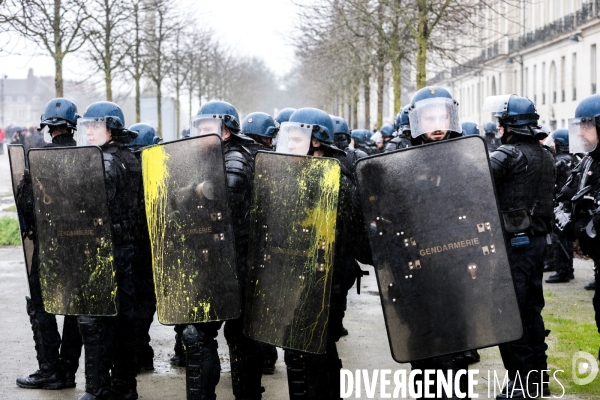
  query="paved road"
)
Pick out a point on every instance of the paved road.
point(365, 348)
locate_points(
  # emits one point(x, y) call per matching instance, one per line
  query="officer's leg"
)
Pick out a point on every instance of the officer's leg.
point(70, 349)
point(178, 359)
point(269, 354)
point(145, 307)
point(596, 300)
point(98, 336)
point(563, 259)
point(246, 362)
point(47, 340)
point(125, 366)
point(203, 367)
point(527, 354)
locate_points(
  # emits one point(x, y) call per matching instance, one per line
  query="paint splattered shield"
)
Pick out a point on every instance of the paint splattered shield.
point(77, 273)
point(16, 156)
point(292, 238)
point(438, 249)
point(190, 226)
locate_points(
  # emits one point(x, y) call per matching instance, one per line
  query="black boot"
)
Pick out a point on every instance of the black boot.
point(143, 351)
point(472, 356)
point(178, 359)
point(98, 358)
point(124, 389)
point(246, 361)
point(559, 277)
point(203, 369)
point(591, 285)
point(269, 354)
point(50, 374)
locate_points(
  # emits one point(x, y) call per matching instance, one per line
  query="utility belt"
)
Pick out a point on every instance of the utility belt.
point(521, 226)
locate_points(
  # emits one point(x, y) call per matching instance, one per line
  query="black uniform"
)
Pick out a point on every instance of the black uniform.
point(561, 253)
point(399, 142)
point(56, 368)
point(585, 175)
point(524, 176)
point(491, 142)
point(203, 365)
point(317, 376)
point(368, 146)
point(110, 341)
point(143, 280)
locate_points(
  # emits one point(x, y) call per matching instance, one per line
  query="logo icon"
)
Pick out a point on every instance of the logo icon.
point(584, 364)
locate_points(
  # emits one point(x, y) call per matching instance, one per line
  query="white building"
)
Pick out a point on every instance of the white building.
point(548, 55)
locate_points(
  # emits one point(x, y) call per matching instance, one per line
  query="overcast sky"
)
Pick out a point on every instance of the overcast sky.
point(251, 28)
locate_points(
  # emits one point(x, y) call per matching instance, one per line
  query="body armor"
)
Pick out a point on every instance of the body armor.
point(399, 142)
point(525, 176)
point(564, 166)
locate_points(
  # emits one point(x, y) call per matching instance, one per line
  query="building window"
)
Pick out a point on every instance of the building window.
point(593, 68)
point(543, 83)
point(534, 77)
point(553, 81)
point(563, 66)
point(21, 113)
point(574, 76)
point(493, 85)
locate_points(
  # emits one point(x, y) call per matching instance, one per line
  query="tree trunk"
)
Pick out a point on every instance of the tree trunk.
point(397, 82)
point(380, 88)
point(58, 52)
point(108, 83)
point(159, 108)
point(354, 107)
point(422, 41)
point(367, 93)
point(178, 114)
point(138, 101)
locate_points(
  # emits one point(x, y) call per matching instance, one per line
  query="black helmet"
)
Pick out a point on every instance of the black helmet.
point(341, 132)
point(60, 112)
point(108, 115)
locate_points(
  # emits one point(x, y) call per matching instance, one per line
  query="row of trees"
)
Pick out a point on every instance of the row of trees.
point(137, 43)
point(344, 46)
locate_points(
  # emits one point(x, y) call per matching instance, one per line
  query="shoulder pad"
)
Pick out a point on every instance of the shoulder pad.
point(236, 162)
point(510, 150)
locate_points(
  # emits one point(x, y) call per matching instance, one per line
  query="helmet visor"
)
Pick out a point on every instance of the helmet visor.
point(439, 114)
point(583, 137)
point(203, 125)
point(549, 141)
point(496, 104)
point(92, 132)
point(294, 138)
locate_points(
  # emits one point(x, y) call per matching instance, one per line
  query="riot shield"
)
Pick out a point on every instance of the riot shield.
point(292, 237)
point(75, 247)
point(190, 226)
point(438, 249)
point(16, 156)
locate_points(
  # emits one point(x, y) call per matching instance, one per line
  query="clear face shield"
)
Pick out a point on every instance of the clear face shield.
point(294, 138)
point(549, 142)
point(583, 137)
point(434, 116)
point(92, 132)
point(203, 125)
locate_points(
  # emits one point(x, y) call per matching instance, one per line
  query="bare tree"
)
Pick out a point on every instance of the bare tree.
point(135, 62)
point(55, 26)
point(178, 73)
point(108, 21)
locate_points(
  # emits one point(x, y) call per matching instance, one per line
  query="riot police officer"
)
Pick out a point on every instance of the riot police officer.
point(342, 140)
point(387, 133)
point(263, 129)
point(402, 126)
point(433, 116)
point(202, 359)
point(56, 371)
point(316, 376)
point(109, 342)
point(562, 248)
point(491, 136)
point(578, 213)
point(524, 176)
point(361, 139)
point(470, 129)
point(143, 280)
